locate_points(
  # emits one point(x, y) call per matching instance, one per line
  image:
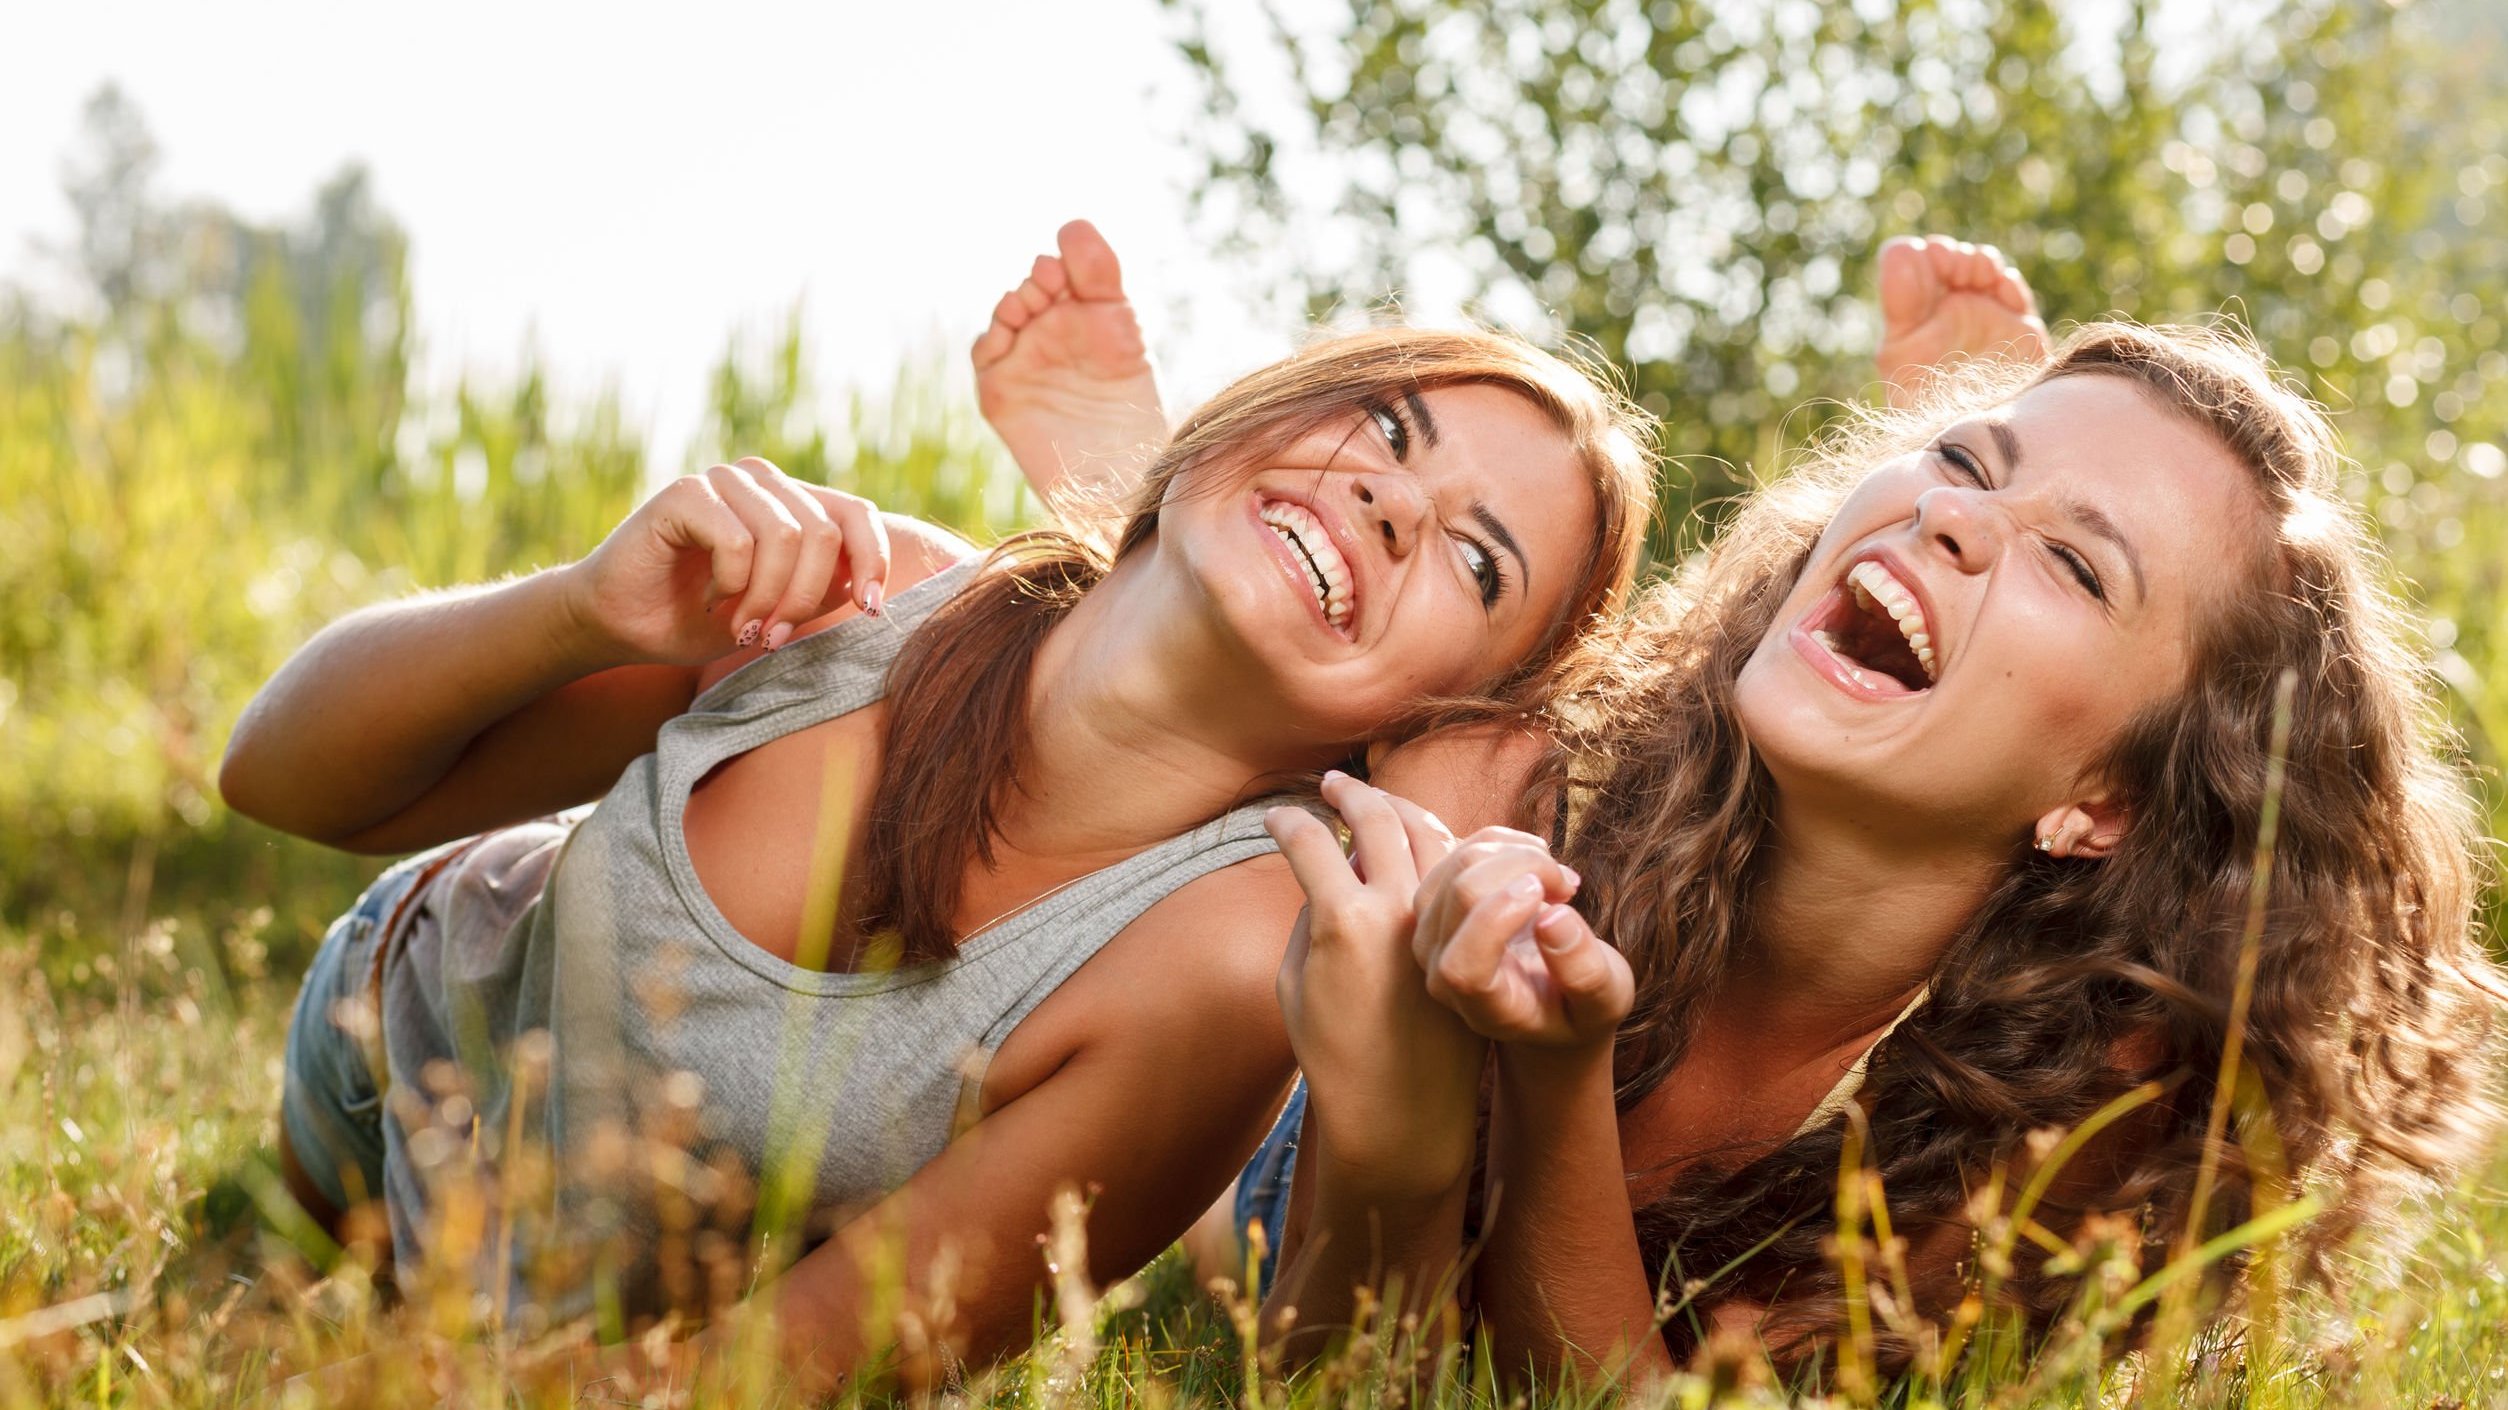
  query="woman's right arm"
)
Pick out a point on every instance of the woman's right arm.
point(416, 722)
point(1562, 1288)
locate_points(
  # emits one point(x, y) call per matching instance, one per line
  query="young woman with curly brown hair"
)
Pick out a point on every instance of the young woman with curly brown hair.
point(1921, 809)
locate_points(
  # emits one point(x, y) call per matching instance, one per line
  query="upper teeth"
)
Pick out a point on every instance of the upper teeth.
point(1328, 573)
point(1875, 584)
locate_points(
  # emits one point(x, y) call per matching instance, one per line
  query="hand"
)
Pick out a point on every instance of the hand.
point(1393, 1079)
point(1945, 300)
point(738, 556)
point(1501, 947)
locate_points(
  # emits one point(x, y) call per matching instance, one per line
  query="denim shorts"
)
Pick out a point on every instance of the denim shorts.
point(330, 1102)
point(1263, 1186)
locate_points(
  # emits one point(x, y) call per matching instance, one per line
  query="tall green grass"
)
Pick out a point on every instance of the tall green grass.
point(168, 543)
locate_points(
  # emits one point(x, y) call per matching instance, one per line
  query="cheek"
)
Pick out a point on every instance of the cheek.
point(1780, 714)
point(2076, 702)
point(1880, 499)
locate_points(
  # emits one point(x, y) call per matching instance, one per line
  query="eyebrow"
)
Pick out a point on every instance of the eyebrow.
point(1420, 418)
point(2006, 441)
point(1505, 540)
point(2094, 519)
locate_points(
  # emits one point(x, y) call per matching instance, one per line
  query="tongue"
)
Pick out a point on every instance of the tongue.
point(1876, 678)
point(1867, 638)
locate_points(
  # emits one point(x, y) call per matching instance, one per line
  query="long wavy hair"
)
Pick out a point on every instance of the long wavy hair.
point(957, 716)
point(2375, 1010)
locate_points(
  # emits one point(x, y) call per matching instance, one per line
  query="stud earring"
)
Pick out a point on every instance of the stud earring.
point(2046, 842)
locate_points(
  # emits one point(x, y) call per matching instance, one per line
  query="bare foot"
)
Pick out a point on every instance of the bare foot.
point(1946, 301)
point(1063, 376)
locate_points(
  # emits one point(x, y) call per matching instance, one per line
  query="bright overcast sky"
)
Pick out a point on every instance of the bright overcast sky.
point(630, 185)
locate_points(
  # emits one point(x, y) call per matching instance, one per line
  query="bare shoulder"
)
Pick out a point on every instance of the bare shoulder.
point(1209, 950)
point(1222, 934)
point(919, 548)
point(1189, 985)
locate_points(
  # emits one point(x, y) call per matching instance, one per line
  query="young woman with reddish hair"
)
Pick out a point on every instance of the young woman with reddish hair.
point(921, 882)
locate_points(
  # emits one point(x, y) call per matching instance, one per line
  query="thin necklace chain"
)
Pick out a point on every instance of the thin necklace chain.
point(1031, 903)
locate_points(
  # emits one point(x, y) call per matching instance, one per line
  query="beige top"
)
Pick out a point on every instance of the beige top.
point(1833, 1105)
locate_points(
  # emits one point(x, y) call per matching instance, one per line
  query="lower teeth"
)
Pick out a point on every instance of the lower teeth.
point(1323, 595)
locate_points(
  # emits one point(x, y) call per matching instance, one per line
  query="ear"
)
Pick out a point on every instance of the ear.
point(2090, 828)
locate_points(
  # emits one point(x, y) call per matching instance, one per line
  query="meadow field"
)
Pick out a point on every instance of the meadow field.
point(216, 451)
point(151, 941)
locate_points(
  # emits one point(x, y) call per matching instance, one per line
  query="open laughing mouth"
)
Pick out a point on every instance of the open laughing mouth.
point(1872, 630)
point(1311, 546)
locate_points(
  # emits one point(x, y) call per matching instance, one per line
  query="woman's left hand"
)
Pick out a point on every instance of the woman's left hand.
point(1501, 947)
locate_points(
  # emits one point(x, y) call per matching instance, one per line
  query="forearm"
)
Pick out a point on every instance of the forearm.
point(373, 711)
point(1560, 1283)
point(1402, 1254)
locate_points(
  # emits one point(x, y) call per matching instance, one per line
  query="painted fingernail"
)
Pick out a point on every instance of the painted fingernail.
point(749, 634)
point(1334, 775)
point(872, 596)
point(1573, 878)
point(778, 634)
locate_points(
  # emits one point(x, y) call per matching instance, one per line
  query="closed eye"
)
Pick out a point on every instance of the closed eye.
point(1965, 464)
point(2081, 569)
point(1968, 466)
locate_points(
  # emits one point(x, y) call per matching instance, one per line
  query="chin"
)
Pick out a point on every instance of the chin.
point(1287, 662)
point(1796, 735)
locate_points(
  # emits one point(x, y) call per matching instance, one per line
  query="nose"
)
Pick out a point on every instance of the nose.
point(1389, 506)
point(1963, 524)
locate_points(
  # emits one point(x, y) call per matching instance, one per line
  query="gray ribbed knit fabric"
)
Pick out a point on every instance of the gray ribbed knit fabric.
point(593, 929)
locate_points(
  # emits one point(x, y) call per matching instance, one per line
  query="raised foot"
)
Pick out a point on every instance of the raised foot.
point(1945, 302)
point(1063, 376)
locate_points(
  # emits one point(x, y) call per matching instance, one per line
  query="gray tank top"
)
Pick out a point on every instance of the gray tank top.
point(571, 980)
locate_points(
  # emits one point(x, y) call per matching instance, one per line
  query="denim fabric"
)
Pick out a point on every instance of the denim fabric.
point(330, 1103)
point(1263, 1186)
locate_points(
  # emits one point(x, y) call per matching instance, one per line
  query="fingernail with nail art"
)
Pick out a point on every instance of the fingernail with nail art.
point(749, 634)
point(778, 634)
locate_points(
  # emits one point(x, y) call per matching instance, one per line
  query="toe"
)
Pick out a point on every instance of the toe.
point(992, 345)
point(1095, 274)
point(1036, 299)
point(2016, 292)
point(1050, 276)
point(1905, 275)
point(1011, 312)
point(1985, 268)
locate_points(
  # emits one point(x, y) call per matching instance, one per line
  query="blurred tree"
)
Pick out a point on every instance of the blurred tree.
point(312, 316)
point(1699, 187)
point(107, 177)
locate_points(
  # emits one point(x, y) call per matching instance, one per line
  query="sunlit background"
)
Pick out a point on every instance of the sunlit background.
point(618, 188)
point(304, 305)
